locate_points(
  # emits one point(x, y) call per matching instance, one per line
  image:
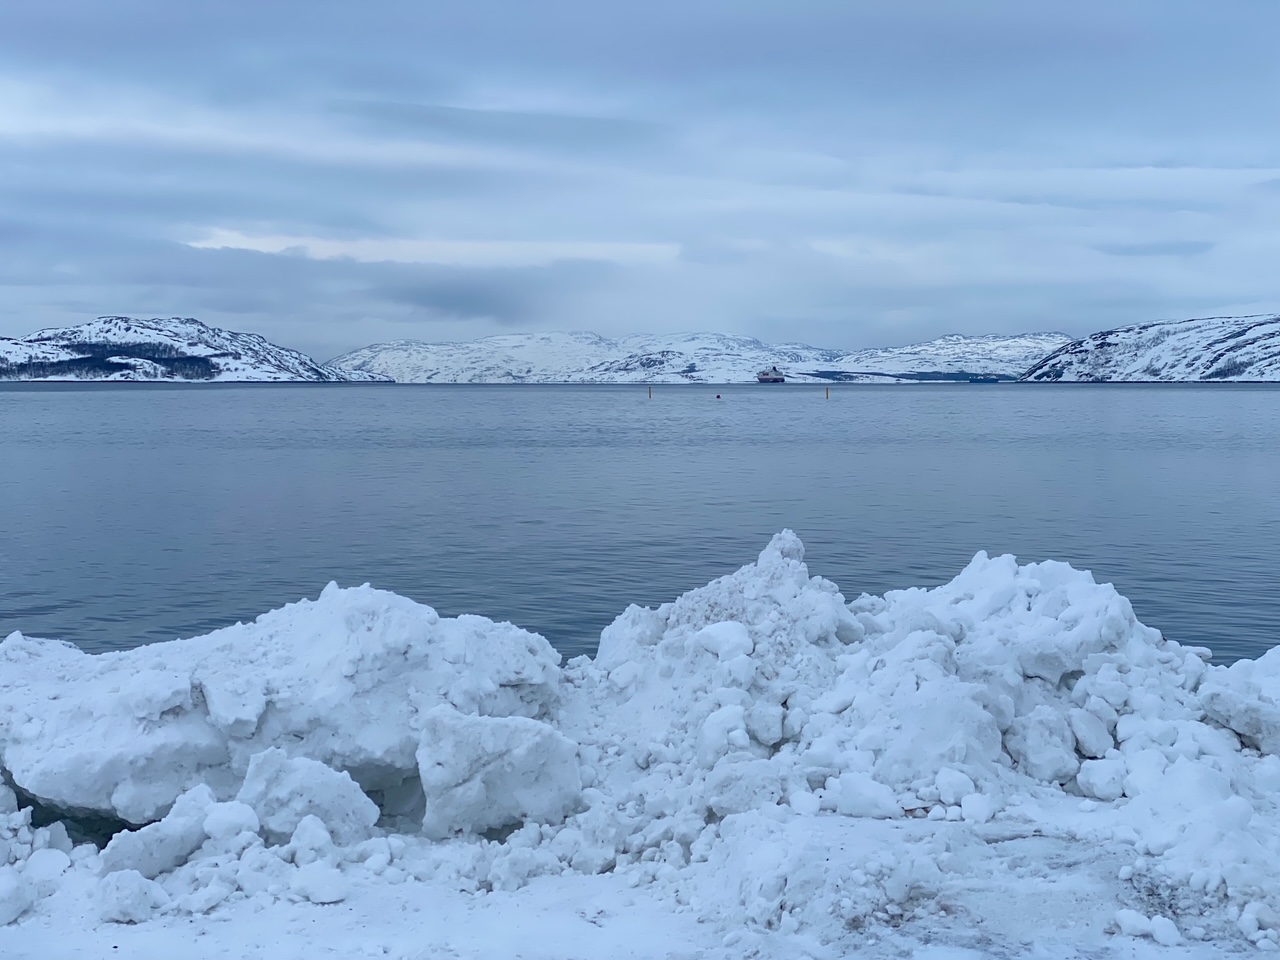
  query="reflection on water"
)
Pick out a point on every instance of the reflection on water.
point(135, 513)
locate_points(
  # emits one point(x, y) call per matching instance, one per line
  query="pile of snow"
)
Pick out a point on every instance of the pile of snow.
point(781, 763)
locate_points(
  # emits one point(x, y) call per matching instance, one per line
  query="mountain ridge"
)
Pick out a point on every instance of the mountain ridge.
point(583, 357)
point(1225, 349)
point(1204, 349)
point(174, 349)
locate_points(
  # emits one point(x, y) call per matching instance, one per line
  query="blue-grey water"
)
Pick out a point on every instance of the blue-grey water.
point(135, 513)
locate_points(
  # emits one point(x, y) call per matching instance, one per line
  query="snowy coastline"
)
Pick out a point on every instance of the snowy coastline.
point(1007, 765)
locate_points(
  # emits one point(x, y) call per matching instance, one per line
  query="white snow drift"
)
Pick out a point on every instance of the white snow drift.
point(783, 764)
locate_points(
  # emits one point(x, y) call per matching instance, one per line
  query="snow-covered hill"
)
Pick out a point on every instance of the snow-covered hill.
point(1207, 349)
point(122, 348)
point(690, 357)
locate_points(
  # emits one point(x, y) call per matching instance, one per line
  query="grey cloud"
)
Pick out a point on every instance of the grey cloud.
point(554, 131)
point(741, 134)
point(1158, 248)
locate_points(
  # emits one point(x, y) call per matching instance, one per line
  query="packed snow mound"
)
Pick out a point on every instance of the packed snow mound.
point(761, 750)
point(341, 680)
point(1206, 349)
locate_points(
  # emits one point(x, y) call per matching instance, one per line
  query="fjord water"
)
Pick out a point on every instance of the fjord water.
point(135, 513)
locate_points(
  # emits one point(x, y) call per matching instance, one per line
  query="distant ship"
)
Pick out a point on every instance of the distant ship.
point(772, 375)
point(984, 379)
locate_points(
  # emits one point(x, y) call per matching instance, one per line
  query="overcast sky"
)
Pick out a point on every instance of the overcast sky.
point(332, 174)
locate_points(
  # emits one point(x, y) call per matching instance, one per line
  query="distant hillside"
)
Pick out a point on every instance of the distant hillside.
point(1207, 349)
point(690, 358)
point(122, 348)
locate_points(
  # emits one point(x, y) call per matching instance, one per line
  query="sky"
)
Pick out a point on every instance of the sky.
point(845, 174)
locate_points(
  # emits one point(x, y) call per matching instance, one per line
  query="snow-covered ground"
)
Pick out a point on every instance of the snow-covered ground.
point(1007, 765)
point(1208, 349)
point(687, 358)
point(124, 348)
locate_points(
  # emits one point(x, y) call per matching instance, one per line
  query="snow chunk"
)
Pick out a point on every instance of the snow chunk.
point(726, 640)
point(1103, 779)
point(1043, 745)
point(129, 897)
point(44, 868)
point(860, 796)
point(1246, 698)
point(319, 883)
point(160, 847)
point(281, 791)
point(953, 785)
point(738, 786)
point(1160, 929)
point(15, 898)
point(230, 819)
point(481, 773)
point(1092, 735)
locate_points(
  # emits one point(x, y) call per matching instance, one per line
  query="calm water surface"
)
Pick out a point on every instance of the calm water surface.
point(134, 513)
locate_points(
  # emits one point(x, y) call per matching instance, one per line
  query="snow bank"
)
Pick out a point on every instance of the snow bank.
point(341, 681)
point(761, 751)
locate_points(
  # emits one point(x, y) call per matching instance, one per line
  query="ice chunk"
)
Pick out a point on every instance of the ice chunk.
point(281, 791)
point(479, 773)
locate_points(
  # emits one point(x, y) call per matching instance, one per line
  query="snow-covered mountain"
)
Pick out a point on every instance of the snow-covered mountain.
point(1207, 349)
point(122, 348)
point(690, 357)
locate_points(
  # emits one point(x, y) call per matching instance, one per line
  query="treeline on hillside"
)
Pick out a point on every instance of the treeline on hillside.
point(98, 362)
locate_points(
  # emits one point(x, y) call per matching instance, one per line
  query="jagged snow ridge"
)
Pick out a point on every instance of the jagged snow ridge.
point(686, 358)
point(783, 763)
point(124, 348)
point(1207, 349)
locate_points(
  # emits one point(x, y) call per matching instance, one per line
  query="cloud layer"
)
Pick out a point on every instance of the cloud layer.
point(849, 174)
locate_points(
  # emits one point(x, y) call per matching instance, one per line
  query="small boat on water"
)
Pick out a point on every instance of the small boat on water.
point(984, 379)
point(771, 375)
